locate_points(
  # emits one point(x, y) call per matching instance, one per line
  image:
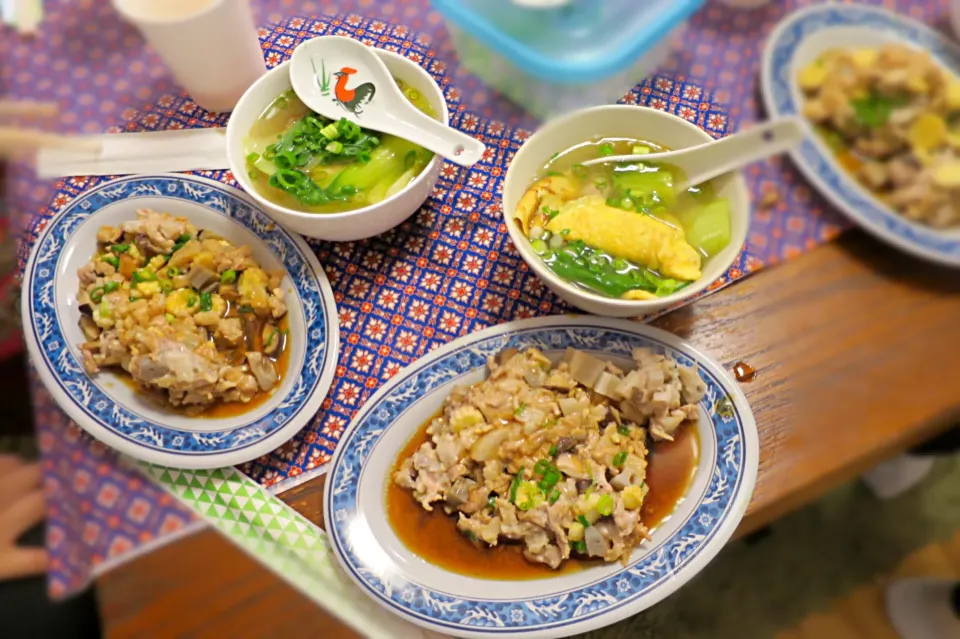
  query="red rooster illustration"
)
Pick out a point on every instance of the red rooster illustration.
point(353, 100)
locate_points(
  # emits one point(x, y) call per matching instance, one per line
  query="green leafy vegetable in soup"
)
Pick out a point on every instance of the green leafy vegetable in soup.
point(619, 229)
point(301, 160)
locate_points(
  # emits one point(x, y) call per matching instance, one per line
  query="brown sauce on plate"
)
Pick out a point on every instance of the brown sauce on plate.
point(228, 409)
point(434, 537)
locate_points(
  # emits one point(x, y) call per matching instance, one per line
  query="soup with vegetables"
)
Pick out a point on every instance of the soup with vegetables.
point(622, 230)
point(301, 160)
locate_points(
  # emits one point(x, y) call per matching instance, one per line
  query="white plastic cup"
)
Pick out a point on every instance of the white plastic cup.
point(210, 46)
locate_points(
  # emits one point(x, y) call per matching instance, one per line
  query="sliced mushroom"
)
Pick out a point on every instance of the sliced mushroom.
point(262, 369)
point(566, 444)
point(252, 331)
point(271, 339)
point(90, 329)
point(459, 493)
point(143, 243)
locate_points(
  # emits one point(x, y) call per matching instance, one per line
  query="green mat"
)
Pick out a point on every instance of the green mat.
point(752, 591)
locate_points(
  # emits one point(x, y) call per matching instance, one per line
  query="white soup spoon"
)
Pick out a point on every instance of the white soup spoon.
point(360, 88)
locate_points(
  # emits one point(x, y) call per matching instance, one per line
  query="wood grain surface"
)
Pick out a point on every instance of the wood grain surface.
point(856, 351)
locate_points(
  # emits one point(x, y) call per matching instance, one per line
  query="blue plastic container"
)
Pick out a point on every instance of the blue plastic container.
point(564, 55)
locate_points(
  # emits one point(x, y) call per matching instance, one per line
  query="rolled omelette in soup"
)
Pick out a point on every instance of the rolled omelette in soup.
point(622, 230)
point(303, 161)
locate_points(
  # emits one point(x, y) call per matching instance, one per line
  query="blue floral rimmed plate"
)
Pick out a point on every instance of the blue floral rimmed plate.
point(557, 606)
point(798, 40)
point(110, 409)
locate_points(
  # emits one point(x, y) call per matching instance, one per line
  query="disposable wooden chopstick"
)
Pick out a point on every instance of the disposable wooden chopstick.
point(16, 141)
point(28, 109)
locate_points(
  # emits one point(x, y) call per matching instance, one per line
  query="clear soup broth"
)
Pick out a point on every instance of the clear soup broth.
point(303, 161)
point(622, 230)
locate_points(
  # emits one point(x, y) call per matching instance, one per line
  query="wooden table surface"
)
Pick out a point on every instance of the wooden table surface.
point(856, 350)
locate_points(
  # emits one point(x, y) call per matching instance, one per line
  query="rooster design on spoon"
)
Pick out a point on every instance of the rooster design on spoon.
point(353, 100)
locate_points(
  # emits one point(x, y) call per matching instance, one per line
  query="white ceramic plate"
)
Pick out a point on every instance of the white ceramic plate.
point(801, 38)
point(109, 409)
point(428, 595)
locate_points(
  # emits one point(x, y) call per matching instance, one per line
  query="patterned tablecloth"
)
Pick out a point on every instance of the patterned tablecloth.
point(449, 271)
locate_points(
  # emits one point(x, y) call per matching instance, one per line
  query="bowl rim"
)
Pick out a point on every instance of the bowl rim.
point(239, 170)
point(551, 279)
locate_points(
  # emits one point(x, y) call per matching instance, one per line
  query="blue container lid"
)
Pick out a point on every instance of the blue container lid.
point(577, 42)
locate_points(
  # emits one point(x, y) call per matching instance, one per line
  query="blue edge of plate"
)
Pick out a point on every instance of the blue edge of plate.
point(842, 185)
point(560, 609)
point(88, 397)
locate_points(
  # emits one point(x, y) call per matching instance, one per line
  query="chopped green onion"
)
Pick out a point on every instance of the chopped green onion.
point(252, 157)
point(110, 287)
point(206, 302)
point(334, 147)
point(619, 459)
point(515, 484)
point(605, 505)
point(539, 247)
point(605, 149)
point(541, 467)
point(183, 239)
point(245, 308)
point(173, 271)
point(331, 131)
point(553, 451)
point(550, 479)
point(492, 502)
point(144, 275)
point(470, 535)
point(519, 410)
point(96, 295)
point(583, 521)
point(550, 213)
point(623, 429)
point(228, 277)
point(554, 496)
point(579, 546)
point(166, 286)
point(112, 260)
point(191, 301)
point(120, 248)
point(169, 317)
point(105, 311)
point(133, 298)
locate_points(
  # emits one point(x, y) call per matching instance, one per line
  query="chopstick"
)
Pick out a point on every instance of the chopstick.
point(16, 142)
point(30, 109)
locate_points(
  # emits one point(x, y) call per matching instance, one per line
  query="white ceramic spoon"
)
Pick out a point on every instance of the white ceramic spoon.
point(360, 88)
point(707, 161)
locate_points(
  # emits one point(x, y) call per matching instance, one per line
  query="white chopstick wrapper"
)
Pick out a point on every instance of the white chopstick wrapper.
point(140, 153)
